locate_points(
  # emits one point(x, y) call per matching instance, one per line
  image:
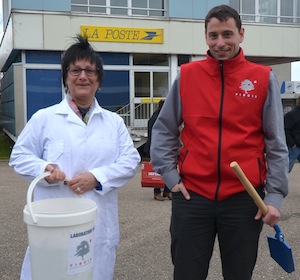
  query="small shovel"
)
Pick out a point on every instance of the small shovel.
point(280, 251)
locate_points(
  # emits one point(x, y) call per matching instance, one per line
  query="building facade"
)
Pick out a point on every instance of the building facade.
point(142, 44)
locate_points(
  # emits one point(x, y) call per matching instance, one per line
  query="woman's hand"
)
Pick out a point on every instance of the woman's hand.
point(82, 183)
point(56, 174)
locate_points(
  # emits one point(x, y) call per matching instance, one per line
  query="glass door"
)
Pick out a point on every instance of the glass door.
point(149, 88)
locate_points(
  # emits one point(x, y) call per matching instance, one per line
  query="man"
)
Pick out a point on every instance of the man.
point(157, 191)
point(231, 111)
point(292, 132)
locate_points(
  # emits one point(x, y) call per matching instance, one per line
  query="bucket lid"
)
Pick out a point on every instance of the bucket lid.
point(59, 212)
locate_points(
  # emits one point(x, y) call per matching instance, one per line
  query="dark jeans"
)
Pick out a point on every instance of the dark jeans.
point(294, 153)
point(158, 190)
point(195, 225)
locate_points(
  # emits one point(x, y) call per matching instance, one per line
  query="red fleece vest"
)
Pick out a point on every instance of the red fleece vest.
point(222, 103)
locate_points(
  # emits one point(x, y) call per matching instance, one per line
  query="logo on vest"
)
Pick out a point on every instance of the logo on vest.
point(246, 87)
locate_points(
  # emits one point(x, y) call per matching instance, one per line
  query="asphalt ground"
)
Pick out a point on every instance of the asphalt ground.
point(144, 249)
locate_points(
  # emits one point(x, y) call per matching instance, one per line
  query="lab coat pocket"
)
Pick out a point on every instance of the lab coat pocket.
point(54, 150)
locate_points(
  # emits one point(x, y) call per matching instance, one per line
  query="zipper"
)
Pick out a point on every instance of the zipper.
point(259, 171)
point(220, 131)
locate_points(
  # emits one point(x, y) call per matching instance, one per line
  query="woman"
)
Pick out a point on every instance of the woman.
point(78, 140)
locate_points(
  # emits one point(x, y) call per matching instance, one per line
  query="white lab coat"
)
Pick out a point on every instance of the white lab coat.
point(103, 147)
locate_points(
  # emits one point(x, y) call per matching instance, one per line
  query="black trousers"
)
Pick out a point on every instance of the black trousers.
point(158, 190)
point(196, 223)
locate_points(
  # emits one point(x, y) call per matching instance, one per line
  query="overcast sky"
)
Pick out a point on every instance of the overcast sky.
point(296, 71)
point(1, 20)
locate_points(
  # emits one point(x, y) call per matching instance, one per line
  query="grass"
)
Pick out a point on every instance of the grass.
point(6, 145)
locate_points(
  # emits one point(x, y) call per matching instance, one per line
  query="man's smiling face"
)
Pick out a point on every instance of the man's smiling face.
point(223, 38)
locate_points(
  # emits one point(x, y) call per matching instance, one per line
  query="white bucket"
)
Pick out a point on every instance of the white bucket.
point(60, 235)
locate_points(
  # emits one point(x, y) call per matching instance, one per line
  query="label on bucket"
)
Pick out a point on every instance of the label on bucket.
point(81, 251)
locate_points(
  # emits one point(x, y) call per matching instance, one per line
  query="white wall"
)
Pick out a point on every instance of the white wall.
point(54, 32)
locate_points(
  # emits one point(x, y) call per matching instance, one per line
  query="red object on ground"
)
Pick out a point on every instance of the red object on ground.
point(150, 178)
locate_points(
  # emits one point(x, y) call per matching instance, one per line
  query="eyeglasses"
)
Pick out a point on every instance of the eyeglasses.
point(77, 71)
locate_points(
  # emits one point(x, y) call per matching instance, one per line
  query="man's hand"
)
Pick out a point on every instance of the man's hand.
point(181, 188)
point(271, 218)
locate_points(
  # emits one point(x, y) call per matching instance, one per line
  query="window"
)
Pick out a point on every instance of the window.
point(151, 8)
point(286, 11)
point(235, 4)
point(160, 84)
point(290, 11)
point(118, 7)
point(114, 95)
point(248, 10)
point(183, 58)
point(268, 11)
point(97, 6)
point(151, 59)
point(48, 57)
point(297, 11)
point(79, 6)
point(115, 58)
point(43, 89)
point(7, 98)
point(139, 7)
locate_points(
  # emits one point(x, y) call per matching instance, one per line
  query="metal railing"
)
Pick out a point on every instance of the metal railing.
point(124, 112)
point(137, 121)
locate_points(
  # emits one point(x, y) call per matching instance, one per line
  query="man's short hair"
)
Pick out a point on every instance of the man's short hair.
point(223, 13)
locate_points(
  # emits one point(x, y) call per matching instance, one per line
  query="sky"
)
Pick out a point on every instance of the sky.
point(295, 71)
point(1, 20)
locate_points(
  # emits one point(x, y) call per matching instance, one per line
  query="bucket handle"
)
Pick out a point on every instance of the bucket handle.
point(30, 193)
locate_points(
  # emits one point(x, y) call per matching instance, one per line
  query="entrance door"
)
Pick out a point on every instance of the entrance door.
point(149, 88)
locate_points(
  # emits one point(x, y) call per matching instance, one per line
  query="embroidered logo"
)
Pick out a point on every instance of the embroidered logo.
point(246, 87)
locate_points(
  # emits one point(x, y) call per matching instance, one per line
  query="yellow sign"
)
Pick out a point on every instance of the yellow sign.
point(149, 100)
point(122, 34)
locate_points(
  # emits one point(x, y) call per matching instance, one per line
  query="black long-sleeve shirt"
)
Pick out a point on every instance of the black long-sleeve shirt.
point(292, 127)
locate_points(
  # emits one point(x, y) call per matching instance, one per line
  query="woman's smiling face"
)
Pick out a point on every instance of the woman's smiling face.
point(82, 81)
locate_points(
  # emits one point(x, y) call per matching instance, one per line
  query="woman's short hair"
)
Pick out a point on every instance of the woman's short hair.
point(81, 50)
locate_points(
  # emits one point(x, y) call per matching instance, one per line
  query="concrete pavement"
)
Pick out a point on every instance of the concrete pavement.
point(144, 251)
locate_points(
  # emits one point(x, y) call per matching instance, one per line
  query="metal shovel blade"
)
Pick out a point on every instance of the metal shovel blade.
point(281, 251)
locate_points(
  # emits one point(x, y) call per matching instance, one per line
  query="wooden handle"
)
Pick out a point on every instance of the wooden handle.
point(249, 187)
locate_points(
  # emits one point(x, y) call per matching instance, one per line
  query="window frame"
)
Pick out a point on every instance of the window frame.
point(109, 9)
